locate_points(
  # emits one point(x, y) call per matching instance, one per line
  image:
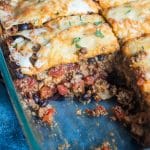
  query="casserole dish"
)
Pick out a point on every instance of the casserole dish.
point(70, 131)
point(74, 52)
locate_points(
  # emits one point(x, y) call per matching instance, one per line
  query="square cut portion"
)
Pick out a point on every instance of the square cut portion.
point(133, 63)
point(38, 12)
point(62, 42)
point(106, 4)
point(70, 55)
point(136, 66)
point(130, 20)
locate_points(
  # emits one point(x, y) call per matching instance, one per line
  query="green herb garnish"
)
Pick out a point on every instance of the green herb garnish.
point(76, 40)
point(142, 48)
point(81, 18)
point(128, 11)
point(98, 33)
point(97, 23)
point(78, 46)
point(15, 46)
point(69, 23)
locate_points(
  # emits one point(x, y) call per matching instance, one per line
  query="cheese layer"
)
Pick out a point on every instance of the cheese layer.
point(62, 45)
point(44, 34)
point(105, 4)
point(130, 20)
point(38, 12)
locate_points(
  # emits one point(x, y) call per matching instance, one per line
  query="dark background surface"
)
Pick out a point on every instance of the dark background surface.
point(11, 136)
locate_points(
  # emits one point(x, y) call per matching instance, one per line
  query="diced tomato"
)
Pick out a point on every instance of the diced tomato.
point(48, 117)
point(119, 113)
point(31, 81)
point(46, 92)
point(57, 72)
point(62, 90)
point(27, 84)
point(89, 80)
point(70, 67)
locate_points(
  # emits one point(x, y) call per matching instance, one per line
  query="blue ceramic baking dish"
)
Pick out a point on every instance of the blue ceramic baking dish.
point(70, 131)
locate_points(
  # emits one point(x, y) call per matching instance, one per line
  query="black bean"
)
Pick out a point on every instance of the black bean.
point(15, 37)
point(13, 65)
point(101, 57)
point(25, 26)
point(36, 98)
point(36, 47)
point(55, 97)
point(91, 60)
point(85, 97)
point(44, 103)
point(19, 75)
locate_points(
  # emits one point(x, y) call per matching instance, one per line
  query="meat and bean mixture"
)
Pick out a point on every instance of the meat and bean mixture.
point(84, 80)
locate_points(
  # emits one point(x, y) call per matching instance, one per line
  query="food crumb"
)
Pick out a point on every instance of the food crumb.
point(104, 146)
point(113, 118)
point(64, 146)
point(79, 112)
point(96, 112)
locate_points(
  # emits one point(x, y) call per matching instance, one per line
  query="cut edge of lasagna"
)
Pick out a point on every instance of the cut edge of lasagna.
point(137, 54)
point(130, 20)
point(106, 4)
point(39, 12)
point(133, 64)
point(94, 38)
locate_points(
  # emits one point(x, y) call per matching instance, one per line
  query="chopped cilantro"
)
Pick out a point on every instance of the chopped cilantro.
point(98, 23)
point(81, 18)
point(57, 13)
point(83, 23)
point(76, 40)
point(98, 33)
point(78, 46)
point(69, 23)
point(128, 11)
point(142, 47)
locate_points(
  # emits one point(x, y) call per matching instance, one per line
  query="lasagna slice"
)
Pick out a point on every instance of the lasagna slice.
point(38, 12)
point(71, 56)
point(95, 37)
point(57, 25)
point(130, 20)
point(106, 4)
point(134, 65)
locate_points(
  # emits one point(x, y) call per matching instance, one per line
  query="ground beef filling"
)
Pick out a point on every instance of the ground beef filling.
point(83, 80)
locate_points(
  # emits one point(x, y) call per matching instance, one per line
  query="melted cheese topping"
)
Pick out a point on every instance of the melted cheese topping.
point(44, 34)
point(105, 4)
point(21, 51)
point(140, 48)
point(52, 53)
point(63, 23)
point(39, 12)
point(130, 20)
point(63, 44)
